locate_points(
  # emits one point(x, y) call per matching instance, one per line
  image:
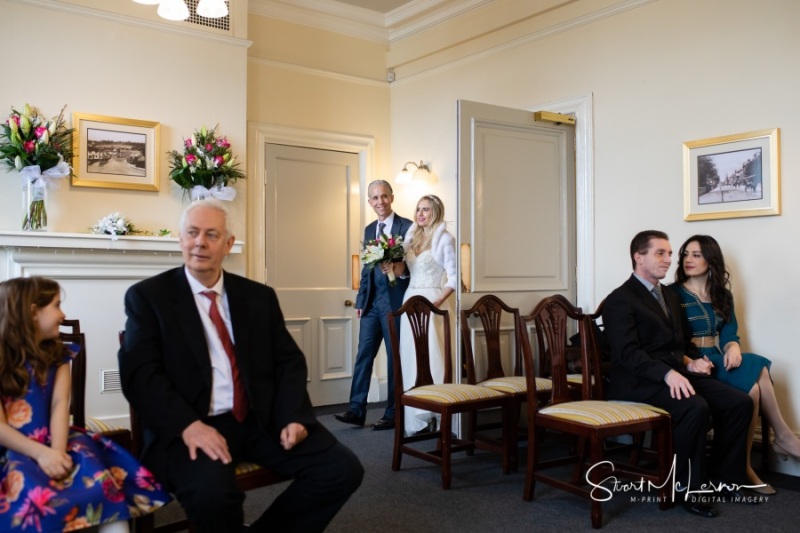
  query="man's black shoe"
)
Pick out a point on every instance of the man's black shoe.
point(706, 510)
point(383, 423)
point(741, 495)
point(351, 417)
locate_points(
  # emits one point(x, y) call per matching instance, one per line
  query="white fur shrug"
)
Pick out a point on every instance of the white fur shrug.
point(443, 249)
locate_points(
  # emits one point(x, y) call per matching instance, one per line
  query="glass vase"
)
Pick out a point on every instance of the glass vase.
point(34, 205)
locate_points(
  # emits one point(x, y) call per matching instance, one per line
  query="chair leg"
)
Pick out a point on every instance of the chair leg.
point(530, 467)
point(766, 449)
point(447, 447)
point(399, 430)
point(596, 455)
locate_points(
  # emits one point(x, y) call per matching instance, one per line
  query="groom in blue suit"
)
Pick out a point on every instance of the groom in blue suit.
point(375, 299)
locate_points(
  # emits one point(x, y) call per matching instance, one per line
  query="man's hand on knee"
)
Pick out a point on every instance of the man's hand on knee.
point(679, 386)
point(200, 436)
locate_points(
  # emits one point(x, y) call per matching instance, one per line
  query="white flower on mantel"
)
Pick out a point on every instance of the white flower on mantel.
point(114, 224)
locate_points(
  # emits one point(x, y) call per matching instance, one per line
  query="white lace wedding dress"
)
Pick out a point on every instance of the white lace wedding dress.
point(427, 279)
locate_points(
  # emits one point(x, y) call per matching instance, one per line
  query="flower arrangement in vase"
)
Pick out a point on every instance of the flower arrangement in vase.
point(206, 166)
point(38, 148)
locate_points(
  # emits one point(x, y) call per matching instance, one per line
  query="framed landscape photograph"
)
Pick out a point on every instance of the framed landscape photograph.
point(732, 176)
point(115, 153)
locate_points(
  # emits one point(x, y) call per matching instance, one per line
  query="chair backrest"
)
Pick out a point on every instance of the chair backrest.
point(551, 318)
point(137, 431)
point(77, 405)
point(490, 309)
point(418, 311)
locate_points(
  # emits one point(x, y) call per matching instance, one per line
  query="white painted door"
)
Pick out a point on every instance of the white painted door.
point(517, 200)
point(312, 230)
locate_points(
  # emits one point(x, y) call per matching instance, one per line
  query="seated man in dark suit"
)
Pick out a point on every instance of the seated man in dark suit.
point(653, 361)
point(216, 378)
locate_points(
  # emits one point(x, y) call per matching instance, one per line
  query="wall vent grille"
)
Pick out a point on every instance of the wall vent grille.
point(110, 381)
point(222, 23)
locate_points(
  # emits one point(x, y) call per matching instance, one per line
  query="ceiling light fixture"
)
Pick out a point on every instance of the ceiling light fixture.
point(173, 10)
point(212, 9)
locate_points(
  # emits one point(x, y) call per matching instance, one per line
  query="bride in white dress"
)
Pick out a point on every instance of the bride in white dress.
point(431, 260)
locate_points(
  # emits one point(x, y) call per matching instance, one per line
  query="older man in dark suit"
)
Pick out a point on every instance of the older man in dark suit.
point(375, 299)
point(653, 361)
point(216, 378)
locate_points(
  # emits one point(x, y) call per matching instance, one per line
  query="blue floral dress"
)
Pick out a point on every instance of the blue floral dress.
point(705, 322)
point(106, 484)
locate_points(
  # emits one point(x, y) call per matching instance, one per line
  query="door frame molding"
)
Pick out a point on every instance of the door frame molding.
point(581, 107)
point(258, 135)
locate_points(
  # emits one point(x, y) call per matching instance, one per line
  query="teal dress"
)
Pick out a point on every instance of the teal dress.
point(704, 322)
point(106, 484)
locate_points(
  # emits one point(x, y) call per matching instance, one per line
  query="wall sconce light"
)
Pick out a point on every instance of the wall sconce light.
point(422, 174)
point(177, 10)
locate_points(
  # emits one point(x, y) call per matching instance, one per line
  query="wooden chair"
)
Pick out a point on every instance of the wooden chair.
point(71, 333)
point(490, 309)
point(249, 476)
point(446, 399)
point(590, 421)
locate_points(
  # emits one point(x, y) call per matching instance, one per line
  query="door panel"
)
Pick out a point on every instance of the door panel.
point(516, 205)
point(312, 227)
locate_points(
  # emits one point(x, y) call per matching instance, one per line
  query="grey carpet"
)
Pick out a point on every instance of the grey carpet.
point(482, 499)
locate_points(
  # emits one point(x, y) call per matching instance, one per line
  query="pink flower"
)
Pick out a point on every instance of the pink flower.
point(209, 147)
point(41, 435)
point(223, 142)
point(219, 161)
point(34, 507)
point(29, 146)
point(39, 131)
point(187, 143)
point(146, 480)
point(111, 490)
point(15, 118)
point(191, 159)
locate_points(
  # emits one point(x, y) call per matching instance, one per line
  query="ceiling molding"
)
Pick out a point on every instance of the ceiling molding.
point(359, 22)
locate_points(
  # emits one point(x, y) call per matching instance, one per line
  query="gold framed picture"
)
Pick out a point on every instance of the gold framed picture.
point(732, 176)
point(115, 153)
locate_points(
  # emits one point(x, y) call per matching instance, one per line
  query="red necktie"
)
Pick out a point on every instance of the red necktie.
point(239, 396)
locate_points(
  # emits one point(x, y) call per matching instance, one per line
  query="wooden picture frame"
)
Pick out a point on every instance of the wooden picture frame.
point(732, 176)
point(115, 153)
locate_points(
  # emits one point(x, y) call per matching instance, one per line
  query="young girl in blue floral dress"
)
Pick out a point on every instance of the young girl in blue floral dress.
point(52, 477)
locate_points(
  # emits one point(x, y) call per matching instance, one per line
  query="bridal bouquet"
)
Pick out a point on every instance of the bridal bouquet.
point(205, 166)
point(383, 250)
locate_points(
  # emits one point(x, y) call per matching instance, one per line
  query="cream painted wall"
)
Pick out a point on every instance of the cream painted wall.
point(99, 62)
point(661, 74)
point(119, 59)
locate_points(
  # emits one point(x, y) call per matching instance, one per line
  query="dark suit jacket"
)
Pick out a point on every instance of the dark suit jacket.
point(370, 283)
point(165, 367)
point(645, 343)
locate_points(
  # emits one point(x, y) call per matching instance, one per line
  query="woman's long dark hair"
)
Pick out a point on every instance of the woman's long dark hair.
point(718, 283)
point(18, 333)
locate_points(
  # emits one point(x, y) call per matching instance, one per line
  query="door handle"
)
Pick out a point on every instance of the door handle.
point(348, 303)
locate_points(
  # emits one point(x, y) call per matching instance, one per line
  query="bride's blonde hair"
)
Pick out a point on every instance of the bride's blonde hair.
point(421, 240)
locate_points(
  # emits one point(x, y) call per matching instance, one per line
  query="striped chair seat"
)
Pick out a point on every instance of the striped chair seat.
point(515, 384)
point(643, 406)
point(452, 393)
point(599, 413)
point(95, 425)
point(246, 468)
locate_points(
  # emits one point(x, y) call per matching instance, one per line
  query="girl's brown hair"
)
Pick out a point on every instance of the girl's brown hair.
point(18, 333)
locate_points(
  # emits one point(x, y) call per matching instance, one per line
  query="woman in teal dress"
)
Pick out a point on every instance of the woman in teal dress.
point(703, 284)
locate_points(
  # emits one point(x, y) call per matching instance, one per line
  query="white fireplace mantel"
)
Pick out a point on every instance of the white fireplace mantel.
point(91, 241)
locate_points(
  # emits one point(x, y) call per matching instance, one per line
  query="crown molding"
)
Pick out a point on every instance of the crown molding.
point(316, 72)
point(359, 22)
